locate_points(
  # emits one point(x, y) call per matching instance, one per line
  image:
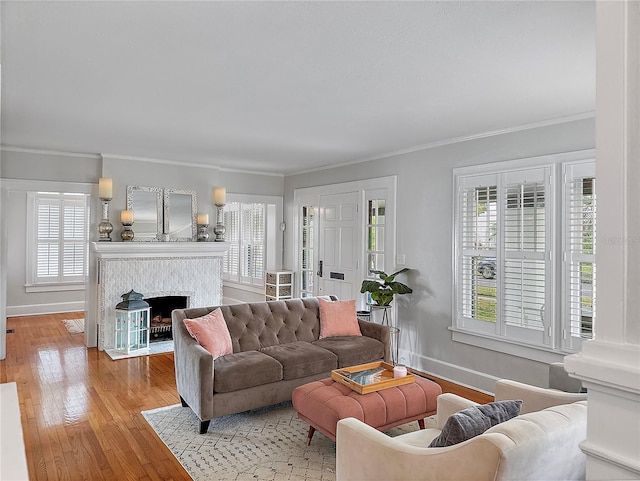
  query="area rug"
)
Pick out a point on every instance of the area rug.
point(265, 444)
point(74, 326)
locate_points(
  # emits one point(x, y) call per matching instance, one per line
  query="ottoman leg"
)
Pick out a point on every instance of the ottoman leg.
point(421, 423)
point(310, 435)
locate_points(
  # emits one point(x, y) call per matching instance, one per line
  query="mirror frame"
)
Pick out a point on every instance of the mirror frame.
point(159, 211)
point(167, 214)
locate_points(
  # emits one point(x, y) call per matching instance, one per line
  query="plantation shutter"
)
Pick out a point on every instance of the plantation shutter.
point(477, 243)
point(231, 266)
point(73, 245)
point(246, 227)
point(61, 238)
point(252, 244)
point(47, 238)
point(580, 251)
point(525, 270)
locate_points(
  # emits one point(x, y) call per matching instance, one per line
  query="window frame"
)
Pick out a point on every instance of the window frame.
point(572, 171)
point(272, 243)
point(61, 282)
point(552, 347)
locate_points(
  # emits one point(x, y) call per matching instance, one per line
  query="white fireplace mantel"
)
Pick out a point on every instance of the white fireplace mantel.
point(123, 250)
point(155, 269)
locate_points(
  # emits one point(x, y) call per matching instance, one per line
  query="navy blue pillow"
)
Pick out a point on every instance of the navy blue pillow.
point(475, 420)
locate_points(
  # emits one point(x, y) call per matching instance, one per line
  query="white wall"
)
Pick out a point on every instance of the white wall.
point(425, 237)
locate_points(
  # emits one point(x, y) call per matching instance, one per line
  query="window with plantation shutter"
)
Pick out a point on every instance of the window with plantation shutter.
point(502, 271)
point(58, 237)
point(579, 245)
point(524, 259)
point(245, 225)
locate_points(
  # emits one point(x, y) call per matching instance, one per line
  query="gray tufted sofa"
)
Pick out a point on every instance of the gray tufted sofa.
point(276, 348)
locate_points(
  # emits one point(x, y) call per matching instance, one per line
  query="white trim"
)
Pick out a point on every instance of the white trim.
point(50, 308)
point(525, 163)
point(54, 287)
point(157, 161)
point(189, 164)
point(507, 346)
point(251, 172)
point(455, 140)
point(130, 250)
point(19, 185)
point(8, 148)
point(463, 376)
point(256, 289)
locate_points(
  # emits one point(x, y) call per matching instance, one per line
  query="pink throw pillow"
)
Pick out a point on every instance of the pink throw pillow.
point(338, 318)
point(211, 332)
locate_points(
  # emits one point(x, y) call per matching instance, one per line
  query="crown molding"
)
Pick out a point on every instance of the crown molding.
point(10, 148)
point(457, 140)
point(158, 161)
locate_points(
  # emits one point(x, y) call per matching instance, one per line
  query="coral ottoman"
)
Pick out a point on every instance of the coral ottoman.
point(323, 403)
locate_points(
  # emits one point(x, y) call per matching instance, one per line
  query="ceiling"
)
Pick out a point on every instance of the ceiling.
point(287, 87)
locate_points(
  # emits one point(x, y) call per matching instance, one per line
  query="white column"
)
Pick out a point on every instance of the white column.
point(609, 365)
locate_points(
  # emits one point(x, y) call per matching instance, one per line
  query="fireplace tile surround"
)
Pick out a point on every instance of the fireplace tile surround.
point(155, 269)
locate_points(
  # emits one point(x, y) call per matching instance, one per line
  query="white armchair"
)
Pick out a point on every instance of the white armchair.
point(537, 446)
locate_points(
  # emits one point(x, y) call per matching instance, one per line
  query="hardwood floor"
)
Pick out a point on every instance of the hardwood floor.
point(81, 410)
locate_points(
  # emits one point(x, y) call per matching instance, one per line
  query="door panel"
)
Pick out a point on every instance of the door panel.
point(338, 246)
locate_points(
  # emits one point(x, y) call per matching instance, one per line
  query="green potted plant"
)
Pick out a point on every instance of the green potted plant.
point(383, 290)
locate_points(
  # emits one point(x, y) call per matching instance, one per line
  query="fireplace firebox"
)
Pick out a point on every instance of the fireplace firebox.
point(161, 308)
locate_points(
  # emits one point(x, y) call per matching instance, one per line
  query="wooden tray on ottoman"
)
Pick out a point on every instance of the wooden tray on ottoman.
point(370, 377)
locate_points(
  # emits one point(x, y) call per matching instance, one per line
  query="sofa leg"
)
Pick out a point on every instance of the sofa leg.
point(421, 423)
point(204, 426)
point(183, 402)
point(310, 435)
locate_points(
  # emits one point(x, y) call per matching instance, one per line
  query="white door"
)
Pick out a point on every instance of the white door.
point(338, 271)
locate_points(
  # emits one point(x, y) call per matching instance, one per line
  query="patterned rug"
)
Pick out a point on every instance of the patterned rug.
point(74, 326)
point(265, 444)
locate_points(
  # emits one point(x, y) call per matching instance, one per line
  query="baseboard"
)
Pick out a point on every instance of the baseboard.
point(227, 301)
point(450, 372)
point(38, 309)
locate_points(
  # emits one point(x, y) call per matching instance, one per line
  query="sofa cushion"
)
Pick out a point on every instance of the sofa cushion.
point(211, 332)
point(352, 350)
point(243, 370)
point(474, 421)
point(338, 318)
point(261, 324)
point(300, 359)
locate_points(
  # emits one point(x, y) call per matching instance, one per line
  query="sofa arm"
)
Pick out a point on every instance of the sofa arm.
point(449, 404)
point(365, 454)
point(379, 332)
point(534, 398)
point(194, 370)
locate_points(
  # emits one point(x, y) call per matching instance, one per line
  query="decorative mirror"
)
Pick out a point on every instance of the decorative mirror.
point(180, 215)
point(146, 204)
